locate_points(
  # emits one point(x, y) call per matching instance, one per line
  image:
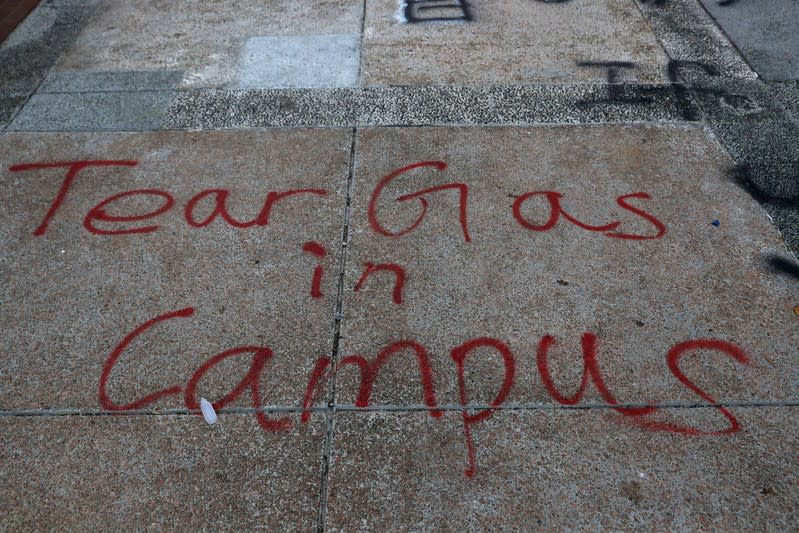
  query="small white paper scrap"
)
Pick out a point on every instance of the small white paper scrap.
point(208, 411)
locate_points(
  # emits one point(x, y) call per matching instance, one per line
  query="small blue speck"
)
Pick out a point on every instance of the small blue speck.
point(716, 223)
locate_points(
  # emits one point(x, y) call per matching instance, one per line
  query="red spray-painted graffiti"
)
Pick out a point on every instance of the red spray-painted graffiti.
point(99, 221)
point(369, 371)
point(397, 270)
point(219, 200)
point(99, 213)
point(553, 198)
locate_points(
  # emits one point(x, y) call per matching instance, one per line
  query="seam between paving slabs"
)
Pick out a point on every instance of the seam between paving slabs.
point(410, 408)
point(345, 239)
point(360, 42)
point(330, 409)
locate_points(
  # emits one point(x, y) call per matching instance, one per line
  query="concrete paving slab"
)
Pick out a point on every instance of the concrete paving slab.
point(72, 82)
point(156, 473)
point(74, 293)
point(300, 61)
point(513, 42)
point(201, 38)
point(492, 258)
point(97, 111)
point(545, 471)
point(765, 35)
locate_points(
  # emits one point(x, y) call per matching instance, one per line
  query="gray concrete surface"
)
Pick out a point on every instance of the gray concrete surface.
point(94, 111)
point(581, 471)
point(203, 39)
point(228, 275)
point(514, 42)
point(519, 377)
point(156, 473)
point(766, 36)
point(518, 285)
point(110, 81)
point(304, 61)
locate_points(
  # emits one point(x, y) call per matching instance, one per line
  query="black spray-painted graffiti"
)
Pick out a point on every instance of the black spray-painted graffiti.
point(416, 11)
point(620, 93)
point(616, 93)
point(741, 176)
point(421, 11)
point(781, 265)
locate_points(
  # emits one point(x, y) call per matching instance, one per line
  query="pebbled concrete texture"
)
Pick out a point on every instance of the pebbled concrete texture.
point(10, 103)
point(548, 470)
point(787, 93)
point(76, 295)
point(419, 105)
point(766, 37)
point(154, 473)
point(518, 285)
point(512, 42)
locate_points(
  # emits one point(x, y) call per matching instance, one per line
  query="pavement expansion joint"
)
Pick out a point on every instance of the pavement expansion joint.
point(350, 408)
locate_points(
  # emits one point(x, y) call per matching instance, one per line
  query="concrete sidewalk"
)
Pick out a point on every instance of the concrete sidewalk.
point(438, 266)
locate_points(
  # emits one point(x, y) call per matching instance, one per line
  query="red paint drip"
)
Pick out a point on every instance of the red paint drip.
point(250, 380)
point(673, 358)
point(369, 372)
point(318, 378)
point(590, 369)
point(458, 355)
